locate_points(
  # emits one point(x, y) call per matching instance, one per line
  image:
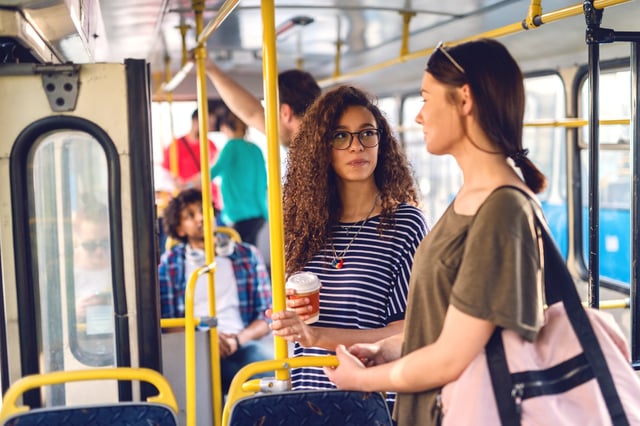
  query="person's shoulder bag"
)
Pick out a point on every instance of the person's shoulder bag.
point(576, 372)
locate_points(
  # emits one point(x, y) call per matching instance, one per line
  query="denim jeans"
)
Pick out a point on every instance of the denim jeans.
point(250, 352)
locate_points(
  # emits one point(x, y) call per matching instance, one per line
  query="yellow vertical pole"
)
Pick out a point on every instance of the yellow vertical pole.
point(270, 77)
point(173, 147)
point(183, 33)
point(208, 217)
point(336, 70)
point(535, 11)
point(406, 20)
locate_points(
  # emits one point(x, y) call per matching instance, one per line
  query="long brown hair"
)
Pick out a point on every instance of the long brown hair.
point(497, 85)
point(312, 205)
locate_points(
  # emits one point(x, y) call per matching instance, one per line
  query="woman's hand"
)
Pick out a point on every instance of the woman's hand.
point(348, 373)
point(291, 327)
point(378, 353)
point(369, 354)
point(301, 306)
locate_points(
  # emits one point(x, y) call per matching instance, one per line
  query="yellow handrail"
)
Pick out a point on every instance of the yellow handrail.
point(574, 122)
point(495, 33)
point(276, 233)
point(190, 324)
point(224, 11)
point(560, 122)
point(613, 304)
point(165, 393)
point(203, 34)
point(241, 387)
point(209, 243)
point(232, 233)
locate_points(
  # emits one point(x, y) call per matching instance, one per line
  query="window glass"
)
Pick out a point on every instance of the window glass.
point(613, 106)
point(439, 177)
point(71, 246)
point(389, 107)
point(545, 101)
point(614, 177)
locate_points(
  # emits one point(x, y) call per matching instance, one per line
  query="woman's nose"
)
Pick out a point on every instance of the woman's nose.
point(356, 145)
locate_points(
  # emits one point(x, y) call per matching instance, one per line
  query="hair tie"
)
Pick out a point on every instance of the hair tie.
point(519, 157)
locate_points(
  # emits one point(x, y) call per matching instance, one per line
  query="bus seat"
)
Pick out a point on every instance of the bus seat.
point(235, 236)
point(158, 410)
point(311, 408)
point(270, 402)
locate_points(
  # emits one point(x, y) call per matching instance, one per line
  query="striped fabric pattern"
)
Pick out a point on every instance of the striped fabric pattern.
point(371, 288)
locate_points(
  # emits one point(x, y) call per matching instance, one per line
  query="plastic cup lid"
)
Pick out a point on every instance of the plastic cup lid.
point(303, 282)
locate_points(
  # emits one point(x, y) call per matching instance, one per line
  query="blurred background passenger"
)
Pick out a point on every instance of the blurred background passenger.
point(93, 293)
point(185, 168)
point(242, 168)
point(242, 286)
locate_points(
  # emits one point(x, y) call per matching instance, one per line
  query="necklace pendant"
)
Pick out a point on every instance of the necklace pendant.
point(337, 263)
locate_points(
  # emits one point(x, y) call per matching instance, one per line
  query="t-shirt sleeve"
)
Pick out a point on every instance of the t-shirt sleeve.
point(412, 227)
point(500, 278)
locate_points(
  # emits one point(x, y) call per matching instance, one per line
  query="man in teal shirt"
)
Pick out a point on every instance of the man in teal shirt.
point(242, 168)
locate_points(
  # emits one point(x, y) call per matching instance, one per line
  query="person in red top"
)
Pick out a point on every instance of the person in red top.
point(188, 157)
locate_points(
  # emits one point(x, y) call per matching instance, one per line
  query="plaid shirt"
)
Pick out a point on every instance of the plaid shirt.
point(254, 288)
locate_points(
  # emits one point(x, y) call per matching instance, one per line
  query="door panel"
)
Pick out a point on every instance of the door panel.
point(76, 223)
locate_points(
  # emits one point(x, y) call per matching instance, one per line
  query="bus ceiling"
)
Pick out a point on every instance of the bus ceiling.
point(54, 31)
point(335, 39)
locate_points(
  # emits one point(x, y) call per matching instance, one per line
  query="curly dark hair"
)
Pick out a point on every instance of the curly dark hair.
point(312, 205)
point(171, 216)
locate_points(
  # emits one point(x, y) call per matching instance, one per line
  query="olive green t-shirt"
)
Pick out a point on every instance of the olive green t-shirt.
point(486, 266)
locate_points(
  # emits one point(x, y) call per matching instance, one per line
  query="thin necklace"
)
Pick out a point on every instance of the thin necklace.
point(338, 261)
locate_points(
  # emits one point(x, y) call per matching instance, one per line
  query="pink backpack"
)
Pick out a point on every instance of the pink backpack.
point(577, 372)
point(470, 400)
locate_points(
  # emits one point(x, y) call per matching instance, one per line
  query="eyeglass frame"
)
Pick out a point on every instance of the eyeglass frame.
point(440, 48)
point(378, 133)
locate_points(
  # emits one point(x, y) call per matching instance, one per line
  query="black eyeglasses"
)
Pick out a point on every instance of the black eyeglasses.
point(368, 138)
point(93, 245)
point(440, 48)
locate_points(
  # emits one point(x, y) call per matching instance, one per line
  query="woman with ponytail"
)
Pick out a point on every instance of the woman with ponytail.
point(478, 268)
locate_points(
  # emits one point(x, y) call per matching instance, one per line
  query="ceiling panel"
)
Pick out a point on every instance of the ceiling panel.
point(369, 32)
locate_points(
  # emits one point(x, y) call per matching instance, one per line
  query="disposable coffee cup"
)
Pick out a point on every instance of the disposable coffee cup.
point(306, 284)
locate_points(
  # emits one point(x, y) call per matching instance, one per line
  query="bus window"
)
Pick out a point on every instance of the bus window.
point(612, 106)
point(439, 178)
point(170, 120)
point(545, 100)
point(70, 239)
point(389, 107)
point(614, 175)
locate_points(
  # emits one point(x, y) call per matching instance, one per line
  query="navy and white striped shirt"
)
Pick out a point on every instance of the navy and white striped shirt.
point(371, 289)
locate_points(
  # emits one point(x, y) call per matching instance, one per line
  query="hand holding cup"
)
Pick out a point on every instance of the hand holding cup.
point(302, 287)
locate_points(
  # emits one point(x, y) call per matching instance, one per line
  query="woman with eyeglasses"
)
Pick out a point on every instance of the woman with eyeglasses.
point(350, 217)
point(478, 268)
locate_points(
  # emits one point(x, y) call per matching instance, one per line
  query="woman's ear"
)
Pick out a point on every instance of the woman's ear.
point(466, 99)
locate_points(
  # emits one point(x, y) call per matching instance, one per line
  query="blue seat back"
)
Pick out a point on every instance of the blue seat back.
point(119, 414)
point(311, 408)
